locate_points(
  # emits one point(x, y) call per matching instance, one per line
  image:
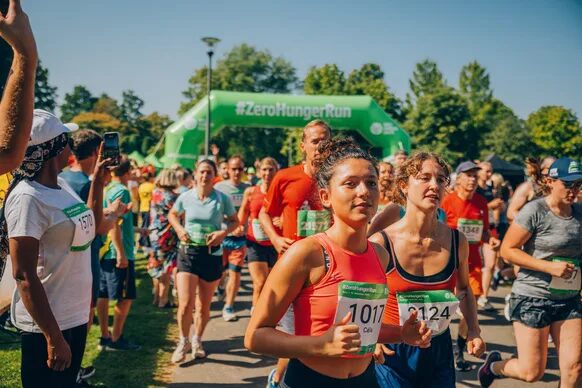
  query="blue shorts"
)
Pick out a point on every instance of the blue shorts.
point(415, 367)
point(117, 283)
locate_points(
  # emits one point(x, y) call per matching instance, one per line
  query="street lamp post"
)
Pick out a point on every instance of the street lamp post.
point(210, 42)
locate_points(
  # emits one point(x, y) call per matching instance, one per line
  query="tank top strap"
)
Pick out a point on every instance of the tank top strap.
point(388, 247)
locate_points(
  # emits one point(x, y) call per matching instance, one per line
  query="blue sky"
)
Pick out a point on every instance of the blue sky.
point(532, 49)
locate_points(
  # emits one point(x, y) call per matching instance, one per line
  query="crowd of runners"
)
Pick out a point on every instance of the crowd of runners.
point(358, 266)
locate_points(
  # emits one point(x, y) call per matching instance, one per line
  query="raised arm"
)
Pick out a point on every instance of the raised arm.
point(17, 103)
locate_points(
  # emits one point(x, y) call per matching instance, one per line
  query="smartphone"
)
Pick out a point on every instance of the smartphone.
point(111, 147)
point(6, 53)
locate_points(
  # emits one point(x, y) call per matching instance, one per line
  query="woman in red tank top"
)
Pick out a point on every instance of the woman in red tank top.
point(336, 282)
point(428, 266)
point(261, 255)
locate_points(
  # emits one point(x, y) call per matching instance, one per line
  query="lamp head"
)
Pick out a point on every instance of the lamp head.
point(210, 41)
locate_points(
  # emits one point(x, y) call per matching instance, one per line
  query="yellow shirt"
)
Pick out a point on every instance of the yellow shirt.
point(4, 183)
point(145, 196)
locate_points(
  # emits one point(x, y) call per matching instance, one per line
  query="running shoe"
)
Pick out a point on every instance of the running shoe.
point(460, 364)
point(506, 308)
point(486, 376)
point(181, 351)
point(271, 383)
point(497, 278)
point(104, 343)
point(484, 304)
point(85, 373)
point(198, 350)
point(123, 344)
point(228, 314)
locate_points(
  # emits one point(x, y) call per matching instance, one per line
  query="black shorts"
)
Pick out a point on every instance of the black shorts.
point(117, 283)
point(257, 253)
point(539, 312)
point(198, 261)
point(34, 371)
point(300, 375)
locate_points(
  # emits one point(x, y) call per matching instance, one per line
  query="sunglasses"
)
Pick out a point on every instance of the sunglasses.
point(237, 169)
point(574, 185)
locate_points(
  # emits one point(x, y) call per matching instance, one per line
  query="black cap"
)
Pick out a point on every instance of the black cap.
point(466, 166)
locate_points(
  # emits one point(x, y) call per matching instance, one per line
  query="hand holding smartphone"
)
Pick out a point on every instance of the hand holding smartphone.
point(111, 148)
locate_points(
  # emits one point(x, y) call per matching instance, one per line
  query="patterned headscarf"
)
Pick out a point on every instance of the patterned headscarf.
point(34, 159)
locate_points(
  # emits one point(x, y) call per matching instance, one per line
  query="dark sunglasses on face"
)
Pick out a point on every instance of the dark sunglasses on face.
point(237, 169)
point(574, 185)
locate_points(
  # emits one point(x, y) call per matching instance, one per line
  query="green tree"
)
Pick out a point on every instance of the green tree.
point(327, 79)
point(107, 105)
point(369, 80)
point(475, 86)
point(510, 140)
point(441, 122)
point(78, 101)
point(242, 69)
point(131, 106)
point(149, 132)
point(556, 131)
point(426, 79)
point(245, 69)
point(45, 95)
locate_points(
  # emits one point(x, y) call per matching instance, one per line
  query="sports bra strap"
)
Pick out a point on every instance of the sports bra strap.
point(326, 260)
point(388, 247)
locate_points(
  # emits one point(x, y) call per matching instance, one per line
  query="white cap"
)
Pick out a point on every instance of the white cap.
point(46, 126)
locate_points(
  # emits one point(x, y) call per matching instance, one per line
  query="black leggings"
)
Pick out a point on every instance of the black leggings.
point(34, 371)
point(300, 375)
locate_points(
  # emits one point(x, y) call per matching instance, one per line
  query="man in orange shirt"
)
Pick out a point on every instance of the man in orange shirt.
point(293, 196)
point(468, 212)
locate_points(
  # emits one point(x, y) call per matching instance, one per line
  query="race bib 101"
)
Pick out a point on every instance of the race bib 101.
point(570, 286)
point(436, 308)
point(366, 301)
point(472, 229)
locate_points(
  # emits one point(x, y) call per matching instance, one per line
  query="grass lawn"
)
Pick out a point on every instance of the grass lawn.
point(146, 325)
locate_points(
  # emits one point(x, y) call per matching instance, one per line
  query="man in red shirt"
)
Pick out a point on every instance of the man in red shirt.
point(293, 197)
point(468, 212)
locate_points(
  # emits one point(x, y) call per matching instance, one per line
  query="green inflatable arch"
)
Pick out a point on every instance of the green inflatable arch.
point(359, 113)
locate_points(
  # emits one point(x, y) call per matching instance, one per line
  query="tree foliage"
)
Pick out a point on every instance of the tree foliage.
point(369, 80)
point(510, 140)
point(441, 122)
point(475, 86)
point(107, 105)
point(78, 101)
point(426, 79)
point(245, 69)
point(556, 131)
point(327, 79)
point(100, 122)
point(45, 95)
point(242, 69)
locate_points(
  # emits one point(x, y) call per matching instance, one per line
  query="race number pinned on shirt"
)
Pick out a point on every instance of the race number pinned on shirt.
point(237, 199)
point(436, 308)
point(84, 234)
point(472, 229)
point(570, 286)
point(258, 231)
point(310, 222)
point(199, 233)
point(366, 301)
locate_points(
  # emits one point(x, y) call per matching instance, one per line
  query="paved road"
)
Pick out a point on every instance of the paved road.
point(229, 364)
